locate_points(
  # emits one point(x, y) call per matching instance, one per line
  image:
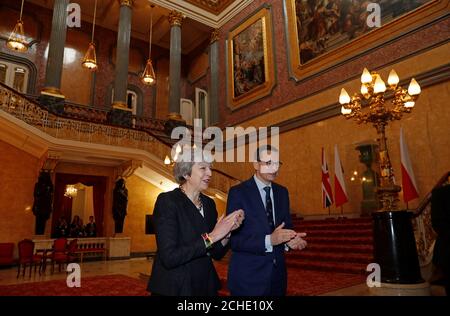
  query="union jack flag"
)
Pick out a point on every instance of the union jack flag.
point(327, 194)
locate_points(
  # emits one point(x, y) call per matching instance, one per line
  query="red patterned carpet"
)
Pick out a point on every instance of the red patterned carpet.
point(303, 282)
point(105, 285)
point(336, 257)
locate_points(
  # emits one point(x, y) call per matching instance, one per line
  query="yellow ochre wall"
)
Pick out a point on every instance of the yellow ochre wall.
point(18, 173)
point(426, 130)
point(141, 200)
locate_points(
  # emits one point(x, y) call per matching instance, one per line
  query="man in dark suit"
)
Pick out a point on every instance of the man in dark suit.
point(440, 219)
point(257, 265)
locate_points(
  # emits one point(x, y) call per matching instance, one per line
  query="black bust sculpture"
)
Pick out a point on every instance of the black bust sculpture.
point(120, 202)
point(43, 201)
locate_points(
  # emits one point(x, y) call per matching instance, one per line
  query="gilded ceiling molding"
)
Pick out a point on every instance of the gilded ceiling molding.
point(195, 11)
point(213, 6)
point(128, 168)
point(215, 36)
point(176, 18)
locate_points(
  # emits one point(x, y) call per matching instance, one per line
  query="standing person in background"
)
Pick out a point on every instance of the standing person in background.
point(91, 228)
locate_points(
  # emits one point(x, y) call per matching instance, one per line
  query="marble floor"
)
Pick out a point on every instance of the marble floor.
point(140, 268)
point(132, 267)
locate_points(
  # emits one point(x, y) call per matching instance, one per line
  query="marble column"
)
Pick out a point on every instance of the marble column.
point(175, 20)
point(214, 72)
point(120, 113)
point(55, 57)
point(122, 56)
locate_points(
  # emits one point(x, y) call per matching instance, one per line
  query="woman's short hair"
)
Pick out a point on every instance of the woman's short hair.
point(183, 166)
point(181, 170)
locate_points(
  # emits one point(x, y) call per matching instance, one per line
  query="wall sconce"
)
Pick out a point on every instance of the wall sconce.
point(168, 161)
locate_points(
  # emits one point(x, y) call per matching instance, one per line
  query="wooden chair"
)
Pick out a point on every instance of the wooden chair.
point(72, 250)
point(27, 256)
point(7, 254)
point(59, 253)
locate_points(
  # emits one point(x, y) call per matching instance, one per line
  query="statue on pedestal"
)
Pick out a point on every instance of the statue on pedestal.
point(43, 201)
point(120, 202)
point(370, 201)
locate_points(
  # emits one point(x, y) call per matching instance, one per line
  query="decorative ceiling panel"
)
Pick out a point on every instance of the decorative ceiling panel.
point(213, 6)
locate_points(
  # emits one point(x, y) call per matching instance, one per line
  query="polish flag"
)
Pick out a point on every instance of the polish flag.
point(327, 194)
point(408, 180)
point(340, 192)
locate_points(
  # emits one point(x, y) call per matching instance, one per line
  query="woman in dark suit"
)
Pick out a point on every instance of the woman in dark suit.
point(188, 235)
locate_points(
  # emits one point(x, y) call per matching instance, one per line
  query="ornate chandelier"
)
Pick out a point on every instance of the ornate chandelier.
point(148, 76)
point(90, 58)
point(16, 40)
point(71, 191)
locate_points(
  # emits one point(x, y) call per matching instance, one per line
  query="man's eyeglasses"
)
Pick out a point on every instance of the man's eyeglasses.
point(271, 163)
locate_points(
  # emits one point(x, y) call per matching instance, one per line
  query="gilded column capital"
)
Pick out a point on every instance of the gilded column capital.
point(50, 159)
point(215, 36)
point(175, 18)
point(128, 3)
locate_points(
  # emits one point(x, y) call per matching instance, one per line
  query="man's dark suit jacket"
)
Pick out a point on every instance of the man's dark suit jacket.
point(440, 219)
point(250, 269)
point(183, 266)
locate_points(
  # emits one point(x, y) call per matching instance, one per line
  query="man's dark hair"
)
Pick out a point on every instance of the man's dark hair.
point(264, 148)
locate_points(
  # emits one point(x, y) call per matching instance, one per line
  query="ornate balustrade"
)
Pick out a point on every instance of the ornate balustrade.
point(85, 130)
point(74, 129)
point(425, 235)
point(149, 123)
point(423, 229)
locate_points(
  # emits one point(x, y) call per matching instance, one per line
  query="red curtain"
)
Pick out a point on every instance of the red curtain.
point(62, 206)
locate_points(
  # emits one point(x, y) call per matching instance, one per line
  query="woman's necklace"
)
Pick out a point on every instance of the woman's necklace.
point(199, 201)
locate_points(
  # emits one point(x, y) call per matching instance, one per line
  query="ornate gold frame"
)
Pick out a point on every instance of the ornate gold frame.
point(407, 22)
point(266, 88)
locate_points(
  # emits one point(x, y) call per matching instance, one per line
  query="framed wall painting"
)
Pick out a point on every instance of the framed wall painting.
point(324, 33)
point(250, 59)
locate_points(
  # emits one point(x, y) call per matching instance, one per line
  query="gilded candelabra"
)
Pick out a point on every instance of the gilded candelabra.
point(370, 106)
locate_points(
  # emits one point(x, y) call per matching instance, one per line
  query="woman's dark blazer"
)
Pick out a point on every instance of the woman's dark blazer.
point(183, 266)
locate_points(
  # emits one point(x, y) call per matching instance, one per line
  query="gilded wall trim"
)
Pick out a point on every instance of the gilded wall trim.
point(427, 79)
point(262, 15)
point(359, 46)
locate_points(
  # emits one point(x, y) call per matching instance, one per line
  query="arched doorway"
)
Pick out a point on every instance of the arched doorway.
point(62, 205)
